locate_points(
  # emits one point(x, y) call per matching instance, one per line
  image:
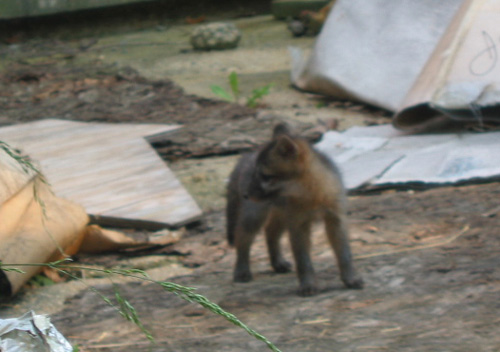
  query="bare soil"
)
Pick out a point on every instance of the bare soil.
point(99, 92)
point(429, 259)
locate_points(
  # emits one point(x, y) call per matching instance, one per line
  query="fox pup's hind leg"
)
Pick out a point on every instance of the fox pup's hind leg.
point(337, 235)
point(275, 227)
point(250, 220)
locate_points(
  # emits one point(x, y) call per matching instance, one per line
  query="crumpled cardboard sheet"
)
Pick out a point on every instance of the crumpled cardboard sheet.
point(461, 80)
point(36, 226)
point(427, 60)
point(31, 333)
point(381, 156)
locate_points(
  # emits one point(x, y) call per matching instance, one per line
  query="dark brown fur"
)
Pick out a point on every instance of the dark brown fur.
point(286, 186)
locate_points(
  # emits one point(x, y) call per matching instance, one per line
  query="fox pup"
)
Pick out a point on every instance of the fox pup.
point(286, 186)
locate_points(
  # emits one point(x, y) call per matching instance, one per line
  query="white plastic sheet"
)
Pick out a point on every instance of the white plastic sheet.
point(382, 156)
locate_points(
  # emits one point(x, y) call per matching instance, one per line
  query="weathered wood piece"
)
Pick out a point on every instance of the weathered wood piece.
point(110, 169)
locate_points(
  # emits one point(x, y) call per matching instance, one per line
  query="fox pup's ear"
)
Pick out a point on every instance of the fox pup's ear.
point(280, 129)
point(286, 147)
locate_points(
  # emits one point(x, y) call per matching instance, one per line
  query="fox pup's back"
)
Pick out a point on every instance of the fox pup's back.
point(285, 186)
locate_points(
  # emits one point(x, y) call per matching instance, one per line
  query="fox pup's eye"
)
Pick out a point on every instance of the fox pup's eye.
point(266, 177)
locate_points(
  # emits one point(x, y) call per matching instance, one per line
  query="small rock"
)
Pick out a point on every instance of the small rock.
point(215, 36)
point(398, 281)
point(266, 115)
point(297, 28)
point(194, 312)
point(89, 96)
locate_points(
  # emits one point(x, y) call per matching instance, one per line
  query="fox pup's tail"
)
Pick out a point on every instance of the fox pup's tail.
point(233, 202)
point(231, 219)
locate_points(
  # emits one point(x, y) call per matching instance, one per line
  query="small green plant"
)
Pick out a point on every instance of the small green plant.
point(234, 95)
point(257, 94)
point(40, 280)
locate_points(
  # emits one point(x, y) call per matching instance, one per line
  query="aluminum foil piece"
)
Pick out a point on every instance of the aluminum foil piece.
point(31, 333)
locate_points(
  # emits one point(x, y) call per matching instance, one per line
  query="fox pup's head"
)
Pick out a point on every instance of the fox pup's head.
point(277, 165)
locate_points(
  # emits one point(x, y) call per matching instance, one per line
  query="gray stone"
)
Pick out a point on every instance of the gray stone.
point(215, 36)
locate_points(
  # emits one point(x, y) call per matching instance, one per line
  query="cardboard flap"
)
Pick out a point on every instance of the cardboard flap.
point(461, 80)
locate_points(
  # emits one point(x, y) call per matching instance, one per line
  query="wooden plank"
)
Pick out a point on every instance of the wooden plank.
point(110, 169)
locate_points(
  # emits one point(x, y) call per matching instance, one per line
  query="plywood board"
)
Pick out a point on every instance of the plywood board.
point(110, 169)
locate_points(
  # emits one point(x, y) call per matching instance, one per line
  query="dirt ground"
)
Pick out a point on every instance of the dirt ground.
point(107, 94)
point(429, 261)
point(429, 258)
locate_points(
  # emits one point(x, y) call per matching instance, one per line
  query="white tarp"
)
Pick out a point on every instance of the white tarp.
point(381, 156)
point(428, 61)
point(373, 50)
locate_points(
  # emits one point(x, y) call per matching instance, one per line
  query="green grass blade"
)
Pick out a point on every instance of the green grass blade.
point(257, 94)
point(234, 84)
point(222, 93)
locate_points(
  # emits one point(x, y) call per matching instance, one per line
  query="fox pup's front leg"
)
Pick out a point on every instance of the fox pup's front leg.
point(336, 231)
point(276, 225)
point(300, 240)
